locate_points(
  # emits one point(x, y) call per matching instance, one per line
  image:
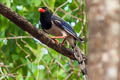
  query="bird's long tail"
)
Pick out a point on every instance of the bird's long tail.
point(78, 55)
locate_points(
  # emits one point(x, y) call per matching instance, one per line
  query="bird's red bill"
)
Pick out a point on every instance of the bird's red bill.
point(41, 10)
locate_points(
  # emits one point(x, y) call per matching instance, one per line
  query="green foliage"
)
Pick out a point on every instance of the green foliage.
point(29, 59)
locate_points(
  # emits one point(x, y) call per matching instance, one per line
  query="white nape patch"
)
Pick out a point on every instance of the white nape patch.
point(19, 7)
point(44, 51)
point(40, 67)
point(66, 8)
point(72, 23)
point(111, 73)
point(70, 1)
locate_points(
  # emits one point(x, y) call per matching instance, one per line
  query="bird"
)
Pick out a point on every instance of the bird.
point(60, 29)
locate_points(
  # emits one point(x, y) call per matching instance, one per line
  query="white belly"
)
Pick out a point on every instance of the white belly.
point(56, 31)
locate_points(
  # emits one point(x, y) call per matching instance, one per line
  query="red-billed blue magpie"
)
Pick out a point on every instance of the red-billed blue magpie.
point(61, 29)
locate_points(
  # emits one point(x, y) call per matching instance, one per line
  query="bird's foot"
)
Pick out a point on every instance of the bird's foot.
point(59, 37)
point(56, 40)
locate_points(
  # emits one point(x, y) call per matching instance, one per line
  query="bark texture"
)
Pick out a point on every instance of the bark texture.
point(104, 39)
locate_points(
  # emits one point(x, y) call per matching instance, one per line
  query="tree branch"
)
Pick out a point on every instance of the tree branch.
point(38, 34)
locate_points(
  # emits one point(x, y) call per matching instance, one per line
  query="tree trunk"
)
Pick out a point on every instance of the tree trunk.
point(104, 39)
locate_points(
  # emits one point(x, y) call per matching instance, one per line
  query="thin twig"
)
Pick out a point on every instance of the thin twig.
point(61, 66)
point(70, 71)
point(22, 48)
point(19, 66)
point(60, 6)
point(46, 5)
point(70, 14)
point(69, 75)
point(16, 37)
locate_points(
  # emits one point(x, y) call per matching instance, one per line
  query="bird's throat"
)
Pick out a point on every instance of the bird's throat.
point(45, 20)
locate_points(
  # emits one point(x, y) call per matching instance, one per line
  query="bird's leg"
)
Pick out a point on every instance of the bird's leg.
point(56, 40)
point(59, 37)
point(63, 41)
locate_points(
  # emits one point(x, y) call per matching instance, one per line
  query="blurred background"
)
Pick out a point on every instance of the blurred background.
point(23, 57)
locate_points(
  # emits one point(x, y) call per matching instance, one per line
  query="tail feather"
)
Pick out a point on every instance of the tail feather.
point(78, 55)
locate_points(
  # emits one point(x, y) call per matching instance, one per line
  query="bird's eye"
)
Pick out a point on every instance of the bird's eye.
point(41, 10)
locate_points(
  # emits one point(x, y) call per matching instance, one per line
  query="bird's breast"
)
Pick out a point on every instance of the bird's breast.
point(56, 31)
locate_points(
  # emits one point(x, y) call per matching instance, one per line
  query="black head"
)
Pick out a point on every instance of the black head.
point(45, 17)
point(43, 10)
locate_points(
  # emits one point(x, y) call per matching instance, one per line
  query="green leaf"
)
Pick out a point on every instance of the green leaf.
point(52, 3)
point(36, 3)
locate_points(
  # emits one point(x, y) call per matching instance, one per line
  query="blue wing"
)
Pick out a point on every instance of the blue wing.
point(64, 25)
